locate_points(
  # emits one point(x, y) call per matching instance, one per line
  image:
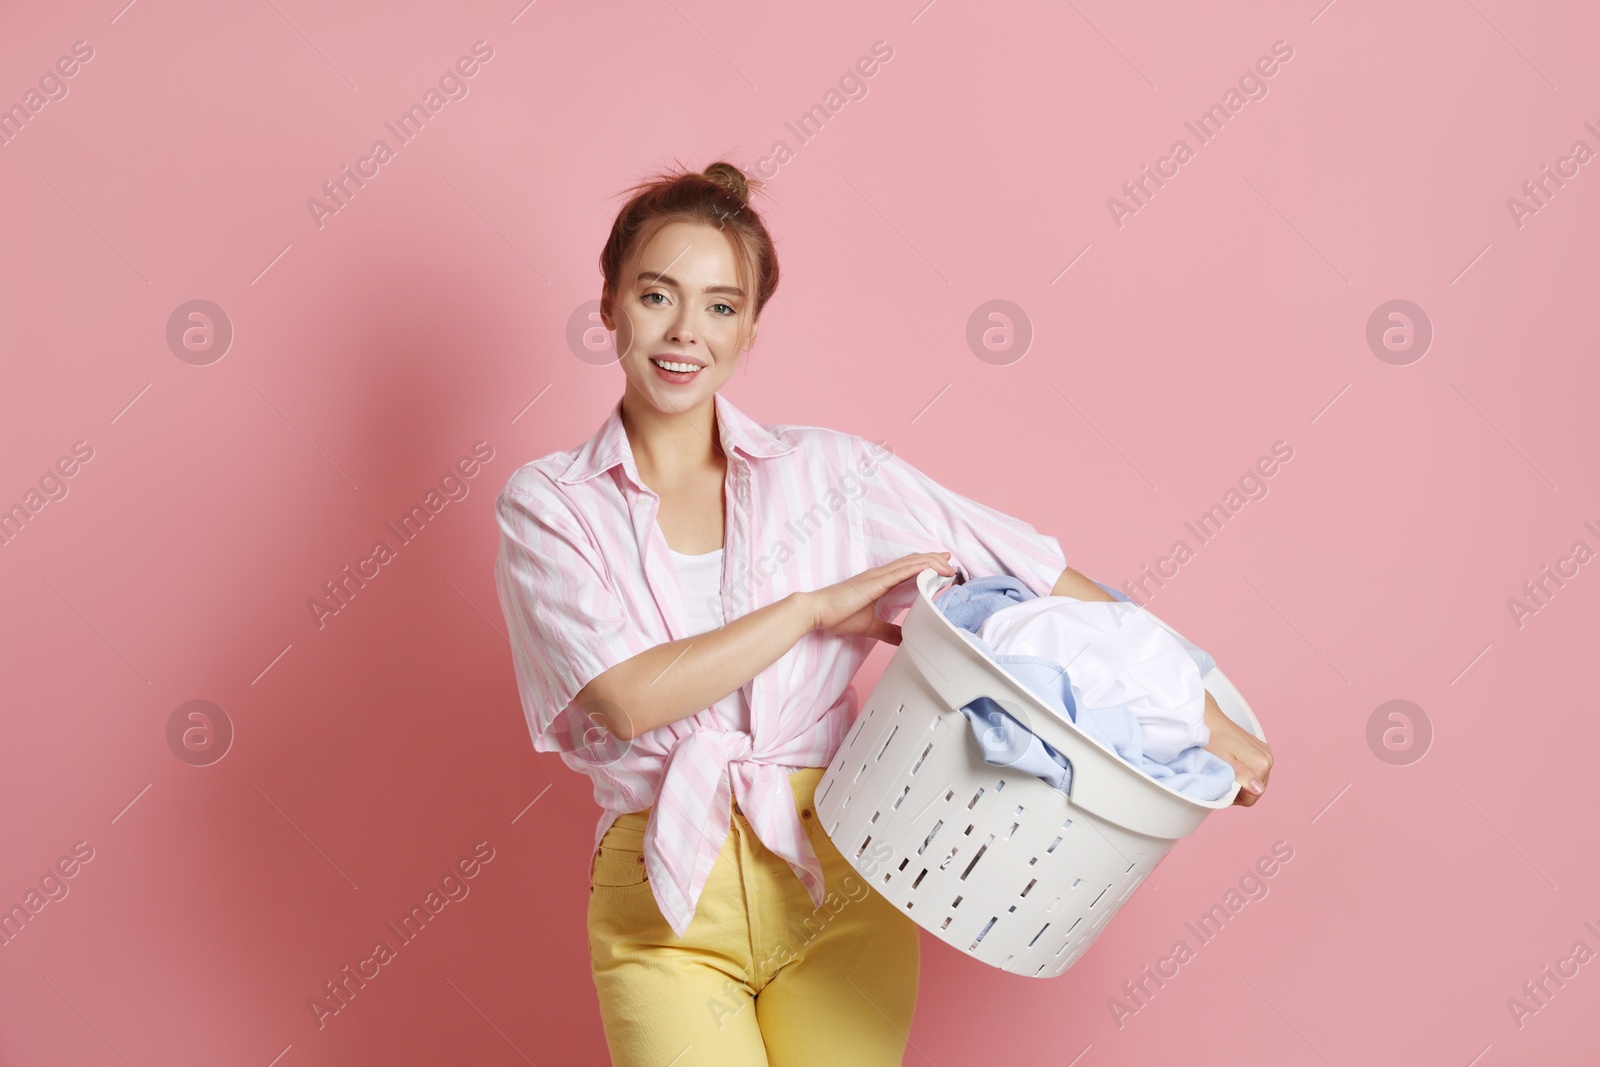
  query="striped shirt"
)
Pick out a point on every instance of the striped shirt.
point(586, 580)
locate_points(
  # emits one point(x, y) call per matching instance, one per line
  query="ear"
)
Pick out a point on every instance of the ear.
point(605, 310)
point(751, 340)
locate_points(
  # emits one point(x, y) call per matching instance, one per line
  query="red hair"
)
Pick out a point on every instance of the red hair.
point(717, 196)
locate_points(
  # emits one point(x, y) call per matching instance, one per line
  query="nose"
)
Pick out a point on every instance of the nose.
point(681, 329)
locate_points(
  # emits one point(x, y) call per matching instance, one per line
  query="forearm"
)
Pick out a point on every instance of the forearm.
point(1215, 718)
point(1249, 756)
point(677, 679)
point(1078, 587)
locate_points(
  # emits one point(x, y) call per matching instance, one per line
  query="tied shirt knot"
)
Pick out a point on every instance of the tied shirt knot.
point(705, 772)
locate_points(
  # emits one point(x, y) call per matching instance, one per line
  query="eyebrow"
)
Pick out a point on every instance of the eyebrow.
point(667, 279)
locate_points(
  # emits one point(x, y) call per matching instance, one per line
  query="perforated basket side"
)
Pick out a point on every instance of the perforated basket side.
point(997, 864)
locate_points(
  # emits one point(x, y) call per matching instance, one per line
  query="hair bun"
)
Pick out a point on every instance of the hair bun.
point(729, 177)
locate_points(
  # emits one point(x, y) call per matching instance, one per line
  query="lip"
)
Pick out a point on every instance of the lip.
point(679, 359)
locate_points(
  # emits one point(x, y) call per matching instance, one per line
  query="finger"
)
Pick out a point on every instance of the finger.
point(1255, 772)
point(875, 583)
point(918, 560)
point(886, 632)
point(915, 564)
point(872, 585)
point(912, 567)
point(1251, 784)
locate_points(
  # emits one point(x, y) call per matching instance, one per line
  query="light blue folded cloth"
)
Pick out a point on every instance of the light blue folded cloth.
point(1005, 742)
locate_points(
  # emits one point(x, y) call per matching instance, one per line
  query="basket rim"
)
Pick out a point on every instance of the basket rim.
point(930, 581)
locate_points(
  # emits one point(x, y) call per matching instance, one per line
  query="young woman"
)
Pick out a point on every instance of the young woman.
point(689, 594)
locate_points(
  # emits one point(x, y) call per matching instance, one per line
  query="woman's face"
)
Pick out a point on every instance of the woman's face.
point(679, 301)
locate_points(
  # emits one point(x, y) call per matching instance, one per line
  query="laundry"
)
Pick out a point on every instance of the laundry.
point(1121, 677)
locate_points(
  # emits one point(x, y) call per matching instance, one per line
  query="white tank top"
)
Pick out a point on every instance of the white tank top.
point(701, 580)
point(700, 577)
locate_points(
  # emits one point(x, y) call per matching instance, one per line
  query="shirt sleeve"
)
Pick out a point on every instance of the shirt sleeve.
point(904, 511)
point(566, 622)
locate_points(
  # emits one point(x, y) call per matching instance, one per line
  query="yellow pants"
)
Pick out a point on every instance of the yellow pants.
point(761, 975)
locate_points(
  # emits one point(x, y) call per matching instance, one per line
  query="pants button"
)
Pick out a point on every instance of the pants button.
point(806, 814)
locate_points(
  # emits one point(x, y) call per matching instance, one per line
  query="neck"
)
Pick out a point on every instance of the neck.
point(670, 443)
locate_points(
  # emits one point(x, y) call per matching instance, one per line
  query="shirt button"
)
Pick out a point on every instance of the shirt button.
point(806, 814)
point(641, 859)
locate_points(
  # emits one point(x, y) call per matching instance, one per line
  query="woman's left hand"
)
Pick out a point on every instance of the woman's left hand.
point(1250, 756)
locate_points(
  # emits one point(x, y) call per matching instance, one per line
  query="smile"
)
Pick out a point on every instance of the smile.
point(675, 367)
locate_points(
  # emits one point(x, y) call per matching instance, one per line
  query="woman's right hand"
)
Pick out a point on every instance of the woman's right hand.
point(848, 608)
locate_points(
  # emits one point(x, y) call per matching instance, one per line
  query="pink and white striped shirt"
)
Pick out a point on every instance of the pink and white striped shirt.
point(586, 580)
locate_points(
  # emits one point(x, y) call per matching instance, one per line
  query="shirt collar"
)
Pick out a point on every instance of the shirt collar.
point(609, 446)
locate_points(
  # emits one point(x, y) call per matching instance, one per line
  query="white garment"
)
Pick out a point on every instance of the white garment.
point(700, 578)
point(1115, 655)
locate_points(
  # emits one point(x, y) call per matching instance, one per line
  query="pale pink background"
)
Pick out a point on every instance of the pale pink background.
point(1228, 314)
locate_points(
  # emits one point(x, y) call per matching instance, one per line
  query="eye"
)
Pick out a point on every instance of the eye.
point(646, 298)
point(726, 313)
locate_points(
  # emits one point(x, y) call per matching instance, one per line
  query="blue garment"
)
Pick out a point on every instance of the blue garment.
point(1005, 742)
point(968, 604)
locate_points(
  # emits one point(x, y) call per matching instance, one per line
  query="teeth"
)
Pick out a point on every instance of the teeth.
point(682, 368)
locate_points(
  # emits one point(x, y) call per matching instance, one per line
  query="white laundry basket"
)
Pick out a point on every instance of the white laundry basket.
point(991, 860)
